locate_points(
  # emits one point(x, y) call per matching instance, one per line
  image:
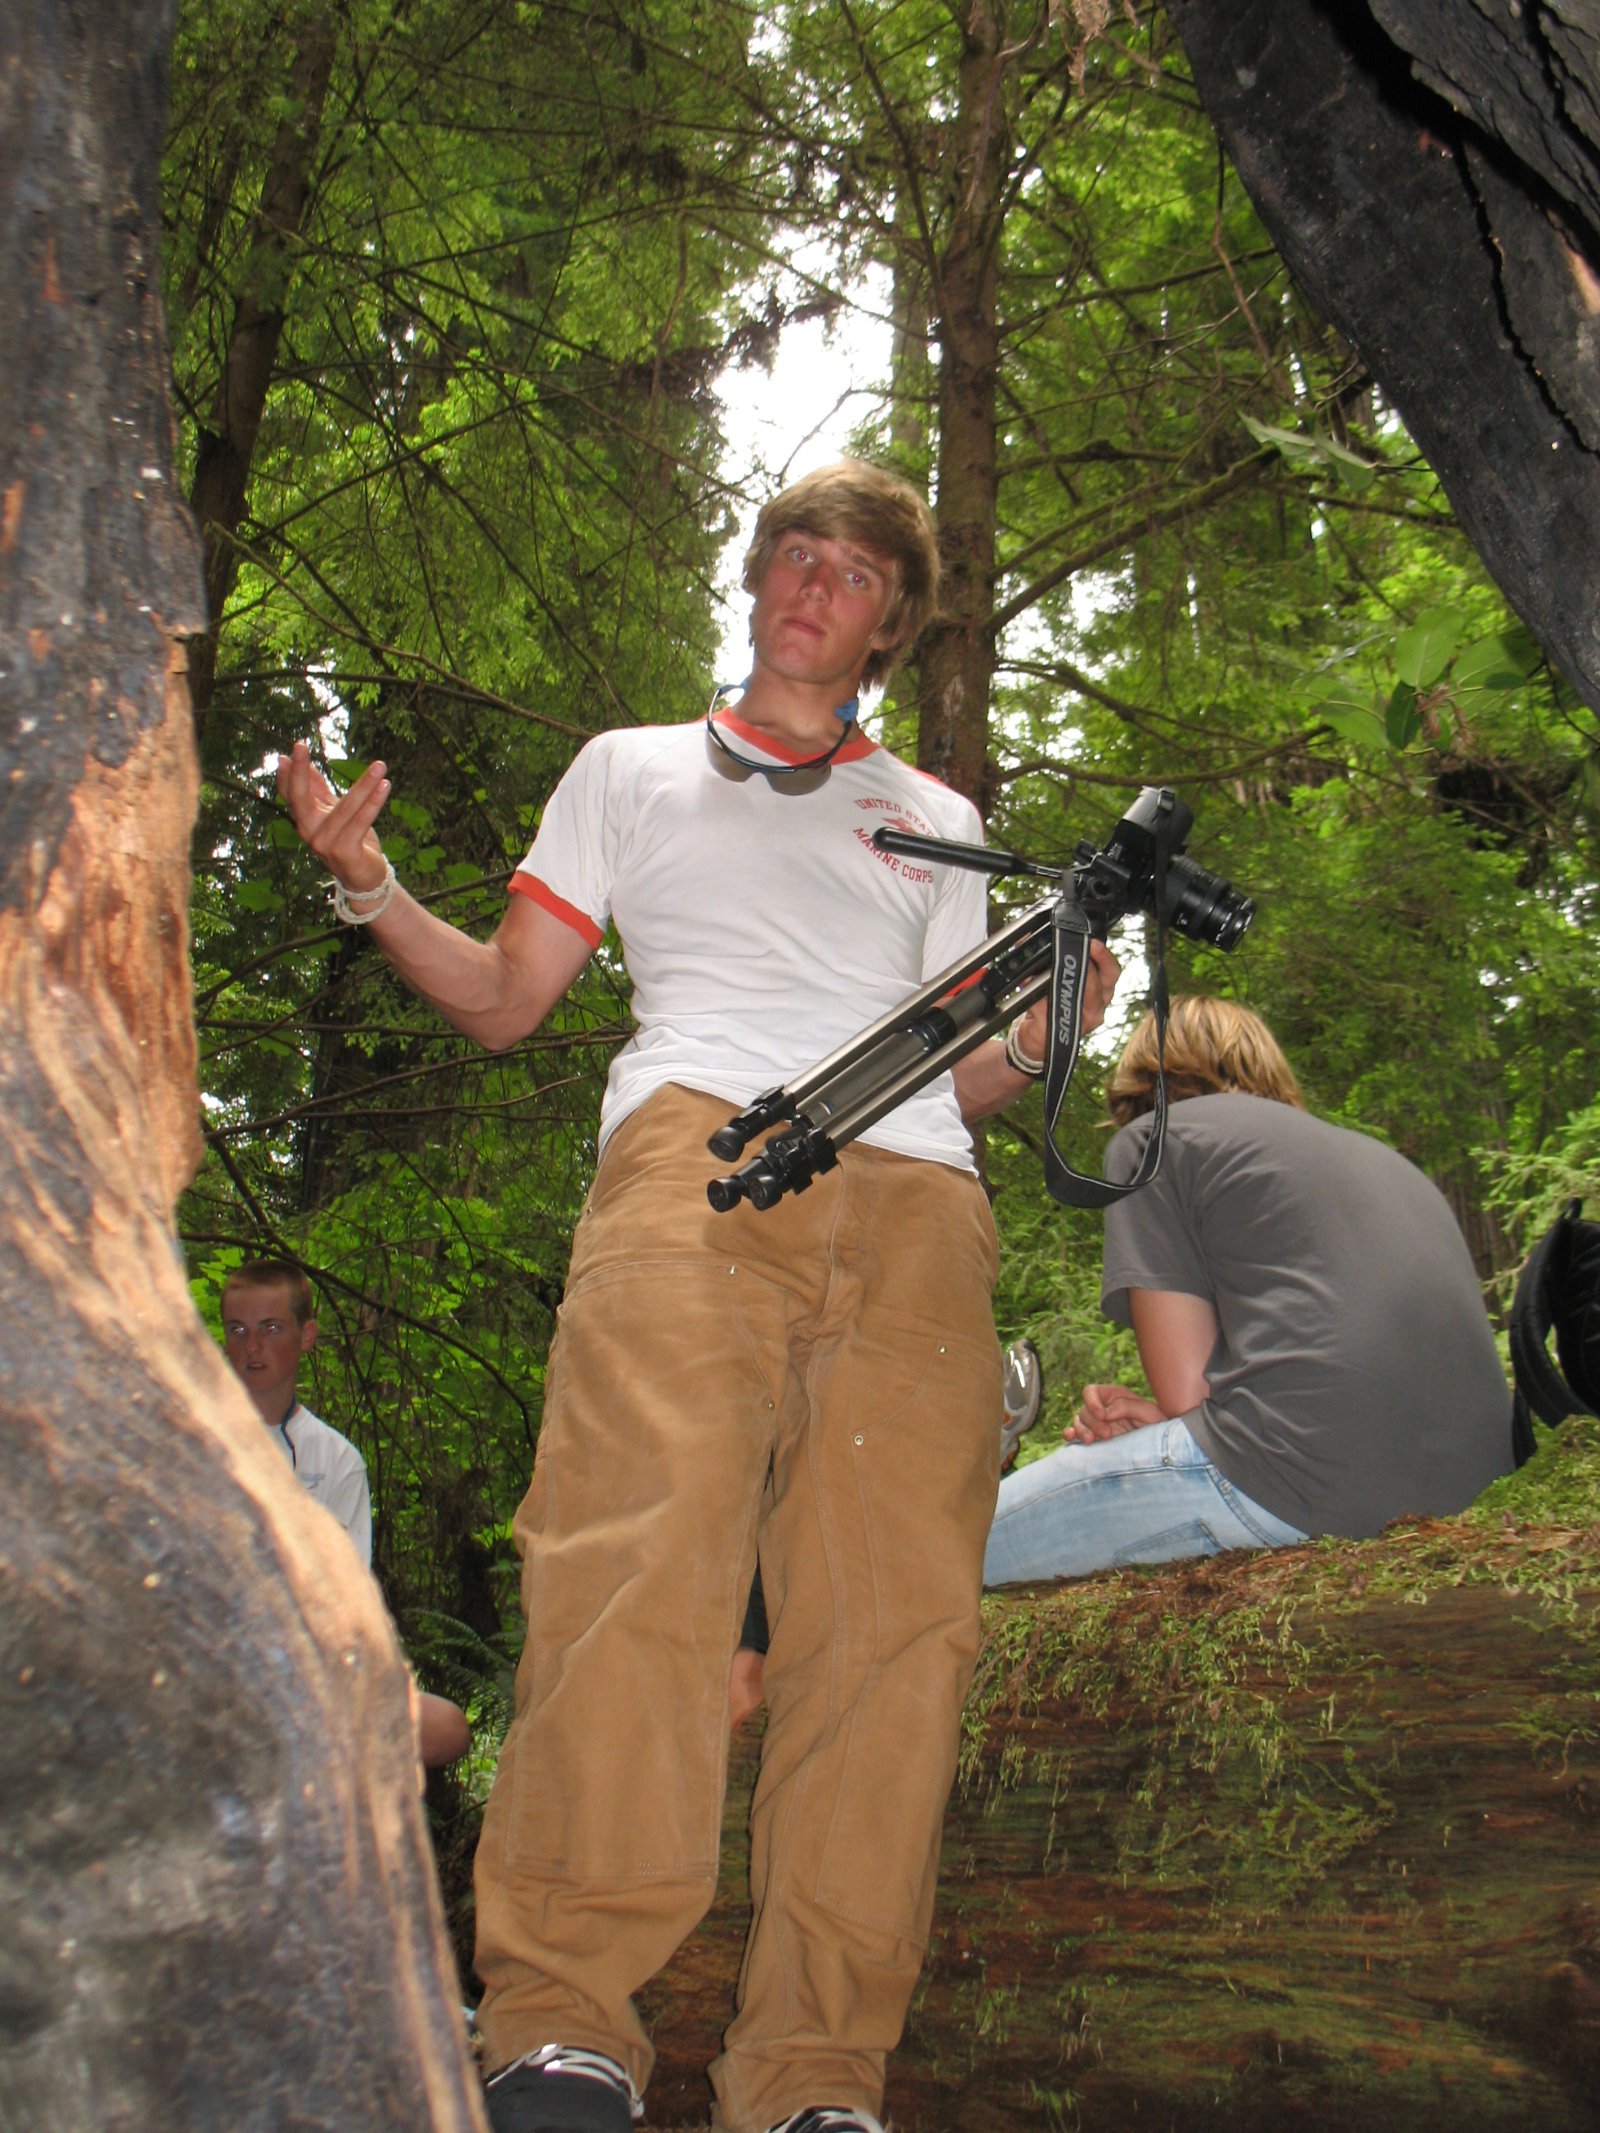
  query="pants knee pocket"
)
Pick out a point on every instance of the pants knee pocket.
point(1193, 1537)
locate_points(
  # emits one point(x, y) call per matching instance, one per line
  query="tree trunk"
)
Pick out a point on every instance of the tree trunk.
point(218, 1898)
point(227, 444)
point(956, 662)
point(1434, 191)
point(909, 365)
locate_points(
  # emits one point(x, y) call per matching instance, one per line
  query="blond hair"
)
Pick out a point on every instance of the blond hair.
point(855, 501)
point(1214, 1047)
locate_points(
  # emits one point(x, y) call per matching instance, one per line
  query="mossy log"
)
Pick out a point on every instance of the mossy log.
point(1298, 1839)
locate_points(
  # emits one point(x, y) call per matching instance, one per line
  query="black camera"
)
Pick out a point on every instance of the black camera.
point(1122, 876)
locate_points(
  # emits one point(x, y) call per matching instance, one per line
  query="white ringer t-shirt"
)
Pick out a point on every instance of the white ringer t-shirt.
point(760, 927)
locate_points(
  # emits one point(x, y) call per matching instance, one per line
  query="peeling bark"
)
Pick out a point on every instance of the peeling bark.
point(216, 1888)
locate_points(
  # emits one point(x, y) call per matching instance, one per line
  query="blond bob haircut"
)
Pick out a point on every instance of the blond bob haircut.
point(273, 1274)
point(1214, 1047)
point(854, 501)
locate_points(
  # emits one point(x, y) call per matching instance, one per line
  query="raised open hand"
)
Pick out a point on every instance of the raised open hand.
point(338, 827)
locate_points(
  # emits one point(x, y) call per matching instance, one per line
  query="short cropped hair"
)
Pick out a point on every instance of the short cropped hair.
point(855, 501)
point(274, 1274)
point(1214, 1047)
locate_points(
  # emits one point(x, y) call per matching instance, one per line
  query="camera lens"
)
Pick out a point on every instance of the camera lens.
point(1204, 906)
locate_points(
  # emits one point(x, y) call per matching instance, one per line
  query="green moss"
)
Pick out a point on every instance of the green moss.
point(1253, 1776)
point(1559, 1486)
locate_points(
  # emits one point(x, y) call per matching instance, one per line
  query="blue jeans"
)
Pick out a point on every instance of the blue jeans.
point(1148, 1497)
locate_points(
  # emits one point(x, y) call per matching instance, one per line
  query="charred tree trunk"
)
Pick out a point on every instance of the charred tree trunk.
point(216, 1889)
point(1430, 172)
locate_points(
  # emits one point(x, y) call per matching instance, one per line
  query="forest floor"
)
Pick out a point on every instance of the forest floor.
point(1301, 1839)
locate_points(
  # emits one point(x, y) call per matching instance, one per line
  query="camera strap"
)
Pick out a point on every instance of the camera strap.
point(1069, 973)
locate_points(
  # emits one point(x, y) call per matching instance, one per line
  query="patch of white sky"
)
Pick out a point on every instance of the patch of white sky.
point(826, 379)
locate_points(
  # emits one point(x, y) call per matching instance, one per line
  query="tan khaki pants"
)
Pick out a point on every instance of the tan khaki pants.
point(826, 1372)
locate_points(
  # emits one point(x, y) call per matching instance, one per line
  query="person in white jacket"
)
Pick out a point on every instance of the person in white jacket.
point(267, 1327)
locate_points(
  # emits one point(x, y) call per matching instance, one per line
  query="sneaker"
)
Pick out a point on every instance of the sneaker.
point(562, 2089)
point(1024, 1390)
point(823, 2118)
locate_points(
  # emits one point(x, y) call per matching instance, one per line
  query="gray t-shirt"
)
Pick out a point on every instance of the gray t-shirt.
point(1355, 1377)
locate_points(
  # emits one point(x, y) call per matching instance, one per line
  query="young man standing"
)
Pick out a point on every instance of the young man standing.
point(267, 1327)
point(819, 1381)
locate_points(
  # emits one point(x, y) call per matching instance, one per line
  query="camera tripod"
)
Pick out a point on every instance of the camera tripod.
point(966, 1004)
point(1141, 867)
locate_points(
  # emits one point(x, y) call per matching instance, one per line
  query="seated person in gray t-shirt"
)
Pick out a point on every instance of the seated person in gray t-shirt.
point(1307, 1315)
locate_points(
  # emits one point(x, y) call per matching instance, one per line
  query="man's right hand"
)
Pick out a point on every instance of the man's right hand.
point(496, 991)
point(1110, 1411)
point(337, 826)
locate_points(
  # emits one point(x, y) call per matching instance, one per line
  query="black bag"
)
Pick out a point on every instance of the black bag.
point(1558, 1288)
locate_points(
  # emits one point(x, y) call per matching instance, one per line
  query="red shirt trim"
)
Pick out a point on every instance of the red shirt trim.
point(525, 884)
point(853, 750)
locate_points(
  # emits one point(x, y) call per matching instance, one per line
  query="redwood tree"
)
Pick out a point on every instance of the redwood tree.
point(217, 1888)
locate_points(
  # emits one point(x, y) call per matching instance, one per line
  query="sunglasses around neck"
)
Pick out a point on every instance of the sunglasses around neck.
point(802, 777)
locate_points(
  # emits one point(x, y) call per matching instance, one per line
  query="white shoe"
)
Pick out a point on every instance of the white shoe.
point(1024, 1392)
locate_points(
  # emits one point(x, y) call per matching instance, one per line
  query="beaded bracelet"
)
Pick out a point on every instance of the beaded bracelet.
point(1017, 1057)
point(379, 899)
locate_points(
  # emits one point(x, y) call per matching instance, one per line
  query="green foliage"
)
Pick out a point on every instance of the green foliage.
point(1049, 1284)
point(1559, 1486)
point(481, 512)
point(493, 343)
point(477, 526)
